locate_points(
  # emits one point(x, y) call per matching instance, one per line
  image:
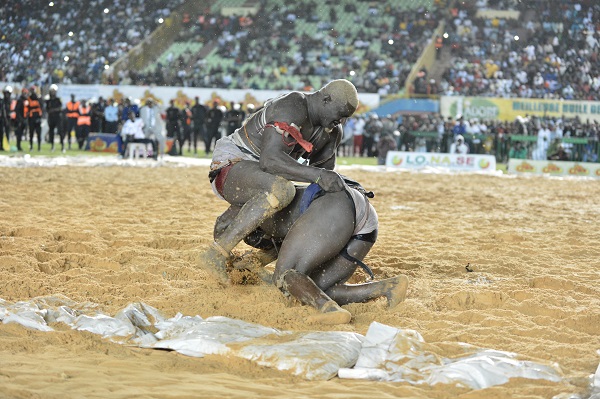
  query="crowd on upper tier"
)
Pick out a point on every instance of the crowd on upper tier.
point(48, 42)
point(550, 52)
point(556, 55)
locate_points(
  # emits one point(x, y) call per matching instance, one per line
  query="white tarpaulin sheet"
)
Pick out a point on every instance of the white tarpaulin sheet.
point(385, 353)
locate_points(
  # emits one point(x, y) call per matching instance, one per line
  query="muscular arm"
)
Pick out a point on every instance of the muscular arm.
point(275, 160)
point(274, 156)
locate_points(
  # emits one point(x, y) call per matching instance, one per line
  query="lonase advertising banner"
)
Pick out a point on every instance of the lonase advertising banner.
point(507, 109)
point(553, 168)
point(420, 160)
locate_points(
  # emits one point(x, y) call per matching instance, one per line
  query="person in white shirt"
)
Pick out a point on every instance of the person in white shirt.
point(133, 132)
point(543, 143)
point(459, 146)
point(153, 125)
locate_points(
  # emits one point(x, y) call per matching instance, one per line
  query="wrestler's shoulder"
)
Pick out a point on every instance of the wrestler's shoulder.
point(292, 104)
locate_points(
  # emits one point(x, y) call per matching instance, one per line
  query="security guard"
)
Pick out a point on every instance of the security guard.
point(84, 123)
point(35, 119)
point(5, 103)
point(21, 116)
point(53, 112)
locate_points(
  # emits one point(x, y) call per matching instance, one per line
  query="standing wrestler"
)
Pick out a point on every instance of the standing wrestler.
point(54, 113)
point(255, 166)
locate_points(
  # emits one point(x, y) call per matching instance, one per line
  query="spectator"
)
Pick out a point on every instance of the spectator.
point(234, 117)
point(213, 123)
point(385, 144)
point(372, 131)
point(199, 122)
point(518, 151)
point(111, 116)
point(459, 146)
point(357, 138)
point(132, 132)
point(173, 125)
point(559, 155)
point(153, 126)
point(98, 121)
point(186, 128)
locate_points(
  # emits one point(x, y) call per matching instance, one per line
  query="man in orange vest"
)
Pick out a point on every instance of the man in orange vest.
point(72, 117)
point(21, 115)
point(35, 120)
point(5, 103)
point(84, 123)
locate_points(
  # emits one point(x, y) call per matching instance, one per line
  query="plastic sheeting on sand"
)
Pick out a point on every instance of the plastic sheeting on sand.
point(385, 353)
point(312, 355)
point(392, 354)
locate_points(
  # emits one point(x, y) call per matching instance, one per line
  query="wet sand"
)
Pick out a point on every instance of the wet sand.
point(115, 235)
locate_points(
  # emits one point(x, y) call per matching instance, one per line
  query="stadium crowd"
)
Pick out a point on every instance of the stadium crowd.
point(332, 52)
point(527, 138)
point(556, 58)
point(71, 41)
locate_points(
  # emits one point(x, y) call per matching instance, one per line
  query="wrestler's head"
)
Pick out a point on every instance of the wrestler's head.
point(339, 100)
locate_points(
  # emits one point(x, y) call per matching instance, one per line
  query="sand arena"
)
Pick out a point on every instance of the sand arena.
point(113, 235)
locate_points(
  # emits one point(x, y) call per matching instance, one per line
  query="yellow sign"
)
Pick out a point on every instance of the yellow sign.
point(507, 109)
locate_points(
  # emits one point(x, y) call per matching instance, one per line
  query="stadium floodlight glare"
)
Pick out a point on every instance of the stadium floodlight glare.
point(160, 20)
point(106, 10)
point(445, 35)
point(516, 37)
point(66, 58)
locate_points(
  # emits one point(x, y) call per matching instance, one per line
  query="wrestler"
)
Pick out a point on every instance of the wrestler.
point(321, 238)
point(254, 167)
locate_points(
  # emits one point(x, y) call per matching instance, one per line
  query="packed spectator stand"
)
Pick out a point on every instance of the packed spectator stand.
point(551, 51)
point(302, 45)
point(46, 42)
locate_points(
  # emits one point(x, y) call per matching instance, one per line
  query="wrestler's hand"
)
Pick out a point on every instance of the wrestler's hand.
point(330, 181)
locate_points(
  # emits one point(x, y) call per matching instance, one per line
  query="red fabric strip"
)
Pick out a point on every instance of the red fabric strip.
point(295, 133)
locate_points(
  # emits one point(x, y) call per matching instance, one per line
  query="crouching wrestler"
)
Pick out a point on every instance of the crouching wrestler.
point(319, 241)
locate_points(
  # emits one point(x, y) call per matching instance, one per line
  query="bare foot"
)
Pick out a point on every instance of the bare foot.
point(331, 313)
point(214, 262)
point(396, 293)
